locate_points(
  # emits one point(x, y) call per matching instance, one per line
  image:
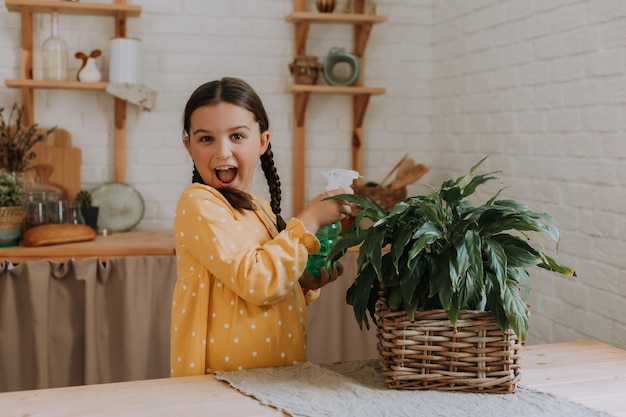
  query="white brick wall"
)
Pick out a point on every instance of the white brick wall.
point(538, 85)
point(187, 43)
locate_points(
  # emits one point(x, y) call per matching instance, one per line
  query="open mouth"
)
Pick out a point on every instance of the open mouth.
point(226, 174)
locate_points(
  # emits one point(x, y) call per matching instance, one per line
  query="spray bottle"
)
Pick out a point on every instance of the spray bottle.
point(328, 235)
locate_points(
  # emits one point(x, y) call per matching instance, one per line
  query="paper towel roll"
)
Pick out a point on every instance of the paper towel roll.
point(125, 62)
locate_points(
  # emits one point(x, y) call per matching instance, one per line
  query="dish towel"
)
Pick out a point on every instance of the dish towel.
point(356, 389)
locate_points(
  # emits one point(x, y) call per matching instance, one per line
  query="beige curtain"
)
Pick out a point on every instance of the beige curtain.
point(88, 322)
point(84, 321)
point(334, 335)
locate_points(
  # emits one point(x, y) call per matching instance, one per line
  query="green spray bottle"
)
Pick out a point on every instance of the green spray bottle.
point(328, 235)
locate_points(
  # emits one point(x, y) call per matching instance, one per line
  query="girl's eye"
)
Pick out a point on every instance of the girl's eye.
point(237, 136)
point(206, 139)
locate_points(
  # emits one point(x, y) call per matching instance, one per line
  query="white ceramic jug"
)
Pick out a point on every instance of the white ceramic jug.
point(90, 72)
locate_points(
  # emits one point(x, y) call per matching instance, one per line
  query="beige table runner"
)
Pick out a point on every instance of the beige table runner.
point(356, 389)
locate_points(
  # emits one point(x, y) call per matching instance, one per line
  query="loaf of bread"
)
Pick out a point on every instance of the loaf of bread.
point(53, 234)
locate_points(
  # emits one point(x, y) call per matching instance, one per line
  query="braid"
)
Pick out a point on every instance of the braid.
point(195, 177)
point(273, 181)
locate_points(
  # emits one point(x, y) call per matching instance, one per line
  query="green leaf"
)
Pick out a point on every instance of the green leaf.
point(518, 252)
point(372, 246)
point(360, 201)
point(400, 239)
point(471, 187)
point(521, 277)
point(473, 245)
point(426, 235)
point(496, 259)
point(394, 299)
point(410, 277)
point(552, 265)
point(358, 295)
point(441, 279)
point(516, 310)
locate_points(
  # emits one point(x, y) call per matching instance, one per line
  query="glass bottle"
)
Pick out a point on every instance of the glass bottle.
point(55, 54)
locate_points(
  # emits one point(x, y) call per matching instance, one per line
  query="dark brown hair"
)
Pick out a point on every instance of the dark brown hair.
point(238, 92)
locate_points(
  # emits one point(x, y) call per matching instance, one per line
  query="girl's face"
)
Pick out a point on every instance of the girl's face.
point(225, 144)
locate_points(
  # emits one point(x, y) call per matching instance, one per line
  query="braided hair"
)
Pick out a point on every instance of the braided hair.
point(238, 92)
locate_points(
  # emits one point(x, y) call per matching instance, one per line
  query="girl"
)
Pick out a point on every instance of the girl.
point(239, 300)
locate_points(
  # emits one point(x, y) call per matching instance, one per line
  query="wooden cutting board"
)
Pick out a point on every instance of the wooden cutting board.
point(65, 160)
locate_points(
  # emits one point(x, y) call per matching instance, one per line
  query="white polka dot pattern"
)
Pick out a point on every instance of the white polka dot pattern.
point(236, 287)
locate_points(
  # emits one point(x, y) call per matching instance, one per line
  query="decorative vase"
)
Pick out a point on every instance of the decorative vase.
point(90, 73)
point(11, 219)
point(340, 56)
point(305, 69)
point(325, 6)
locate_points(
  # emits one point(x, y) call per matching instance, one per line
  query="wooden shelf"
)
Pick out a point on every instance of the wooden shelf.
point(362, 26)
point(118, 10)
point(131, 243)
point(65, 85)
point(350, 18)
point(70, 7)
point(329, 89)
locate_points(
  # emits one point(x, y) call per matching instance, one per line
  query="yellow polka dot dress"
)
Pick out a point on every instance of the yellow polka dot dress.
point(237, 303)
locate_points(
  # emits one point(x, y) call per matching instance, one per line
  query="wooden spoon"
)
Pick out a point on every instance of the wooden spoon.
point(409, 176)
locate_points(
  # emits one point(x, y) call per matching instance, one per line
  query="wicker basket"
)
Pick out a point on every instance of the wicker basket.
point(429, 353)
point(11, 219)
point(386, 197)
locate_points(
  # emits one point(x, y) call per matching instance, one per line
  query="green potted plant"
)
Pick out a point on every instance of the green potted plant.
point(439, 253)
point(84, 200)
point(11, 208)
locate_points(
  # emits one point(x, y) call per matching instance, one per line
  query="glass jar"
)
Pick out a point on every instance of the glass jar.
point(37, 204)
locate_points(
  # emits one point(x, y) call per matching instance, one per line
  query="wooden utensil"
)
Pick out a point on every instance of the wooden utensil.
point(382, 183)
point(411, 175)
point(65, 159)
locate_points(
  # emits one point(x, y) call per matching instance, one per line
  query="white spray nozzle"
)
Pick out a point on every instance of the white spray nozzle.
point(340, 178)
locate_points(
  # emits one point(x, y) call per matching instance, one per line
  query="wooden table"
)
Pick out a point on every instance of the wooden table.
point(131, 243)
point(587, 372)
point(590, 373)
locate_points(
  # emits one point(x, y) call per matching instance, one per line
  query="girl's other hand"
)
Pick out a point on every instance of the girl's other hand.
point(319, 212)
point(307, 282)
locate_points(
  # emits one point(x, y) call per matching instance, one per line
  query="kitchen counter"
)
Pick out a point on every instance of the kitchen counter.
point(586, 372)
point(131, 243)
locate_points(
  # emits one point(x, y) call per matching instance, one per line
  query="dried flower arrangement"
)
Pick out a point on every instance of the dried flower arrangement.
point(16, 141)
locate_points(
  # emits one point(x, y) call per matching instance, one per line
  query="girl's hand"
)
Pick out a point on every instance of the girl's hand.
point(307, 282)
point(319, 212)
